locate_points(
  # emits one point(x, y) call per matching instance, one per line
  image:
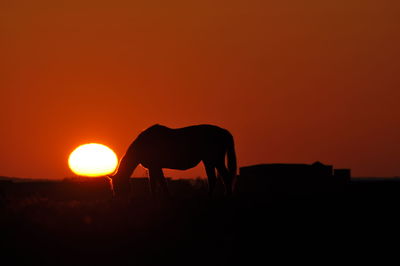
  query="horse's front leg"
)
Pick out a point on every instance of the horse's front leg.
point(153, 183)
point(212, 179)
point(157, 178)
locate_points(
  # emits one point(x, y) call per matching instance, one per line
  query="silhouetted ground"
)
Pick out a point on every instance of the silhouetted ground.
point(77, 223)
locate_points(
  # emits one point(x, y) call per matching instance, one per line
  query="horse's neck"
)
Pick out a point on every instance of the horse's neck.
point(126, 166)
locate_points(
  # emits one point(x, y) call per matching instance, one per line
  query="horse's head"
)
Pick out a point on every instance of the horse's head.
point(120, 185)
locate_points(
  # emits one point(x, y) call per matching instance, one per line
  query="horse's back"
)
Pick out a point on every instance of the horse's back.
point(198, 132)
point(202, 136)
point(192, 143)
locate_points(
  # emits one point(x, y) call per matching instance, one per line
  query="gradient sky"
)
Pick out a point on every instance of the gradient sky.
point(294, 81)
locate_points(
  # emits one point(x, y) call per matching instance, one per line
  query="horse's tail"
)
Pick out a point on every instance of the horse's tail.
point(231, 154)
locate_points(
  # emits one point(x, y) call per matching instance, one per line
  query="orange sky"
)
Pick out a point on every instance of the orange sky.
point(294, 81)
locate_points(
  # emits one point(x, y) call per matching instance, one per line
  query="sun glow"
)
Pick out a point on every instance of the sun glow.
point(92, 159)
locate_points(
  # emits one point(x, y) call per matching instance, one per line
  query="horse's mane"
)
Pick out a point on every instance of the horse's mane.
point(155, 126)
point(142, 135)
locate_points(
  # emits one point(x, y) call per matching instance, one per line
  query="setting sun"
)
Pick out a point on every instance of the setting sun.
point(92, 160)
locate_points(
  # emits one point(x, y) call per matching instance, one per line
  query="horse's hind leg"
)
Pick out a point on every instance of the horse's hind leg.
point(212, 179)
point(227, 178)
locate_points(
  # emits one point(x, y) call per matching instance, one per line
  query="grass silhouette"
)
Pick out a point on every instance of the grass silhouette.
point(77, 223)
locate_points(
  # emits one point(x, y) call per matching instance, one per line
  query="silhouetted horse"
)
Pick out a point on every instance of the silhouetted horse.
point(161, 147)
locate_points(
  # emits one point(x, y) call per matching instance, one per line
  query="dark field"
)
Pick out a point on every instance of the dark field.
point(77, 223)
